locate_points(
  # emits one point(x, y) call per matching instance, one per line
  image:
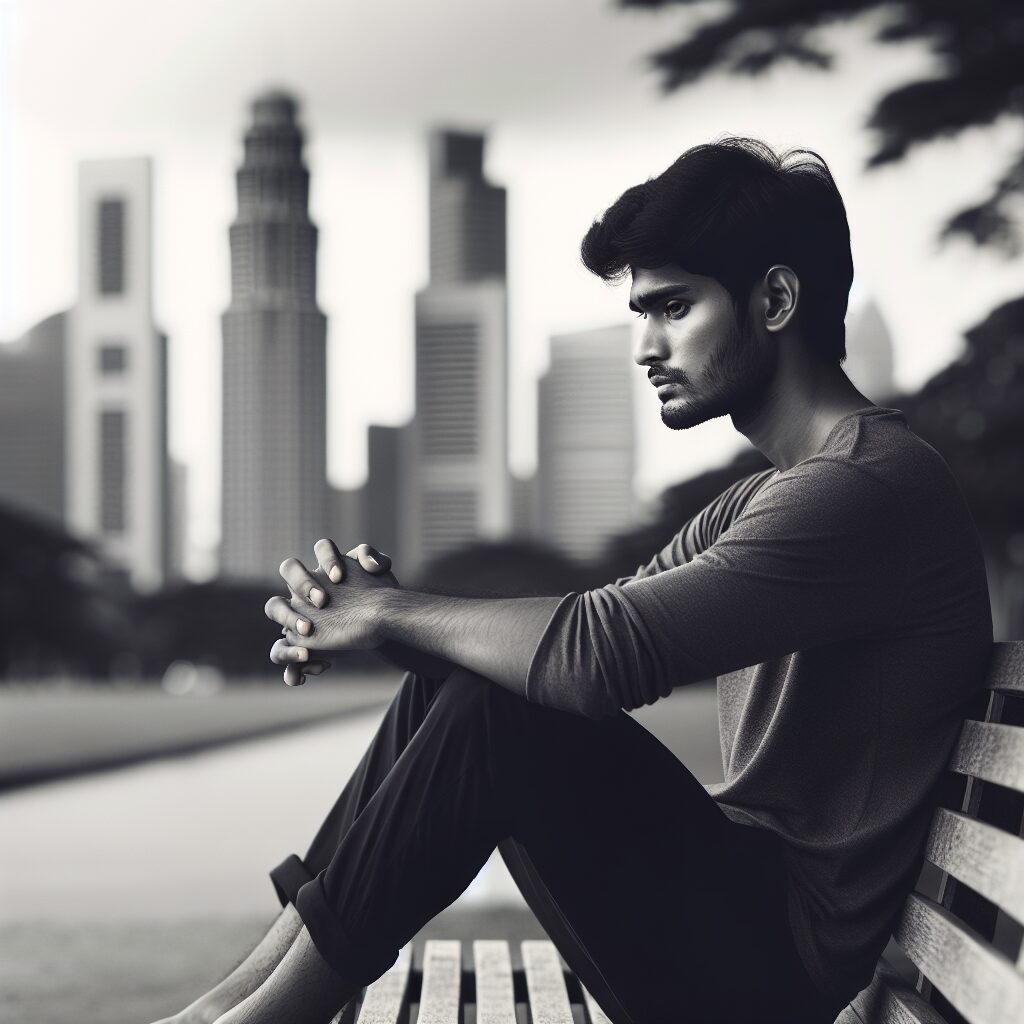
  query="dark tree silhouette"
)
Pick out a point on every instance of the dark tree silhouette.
point(980, 75)
point(59, 611)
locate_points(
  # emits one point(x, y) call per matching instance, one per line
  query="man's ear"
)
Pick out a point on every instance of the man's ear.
point(781, 295)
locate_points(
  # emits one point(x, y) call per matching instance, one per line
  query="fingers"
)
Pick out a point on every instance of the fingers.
point(302, 583)
point(278, 609)
point(329, 557)
point(296, 662)
point(295, 674)
point(370, 558)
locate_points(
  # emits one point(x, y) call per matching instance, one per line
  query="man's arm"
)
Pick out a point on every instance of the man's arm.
point(494, 637)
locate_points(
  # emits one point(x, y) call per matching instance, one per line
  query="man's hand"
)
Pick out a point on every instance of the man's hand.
point(330, 608)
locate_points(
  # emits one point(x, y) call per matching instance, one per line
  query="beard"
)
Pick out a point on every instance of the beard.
point(734, 379)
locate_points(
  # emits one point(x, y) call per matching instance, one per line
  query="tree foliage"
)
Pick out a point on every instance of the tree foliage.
point(978, 78)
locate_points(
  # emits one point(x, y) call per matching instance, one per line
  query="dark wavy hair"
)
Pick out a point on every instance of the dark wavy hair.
point(730, 210)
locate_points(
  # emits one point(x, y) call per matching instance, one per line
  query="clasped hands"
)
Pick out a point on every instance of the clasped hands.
point(336, 607)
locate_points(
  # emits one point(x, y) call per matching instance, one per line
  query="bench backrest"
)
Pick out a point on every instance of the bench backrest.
point(967, 943)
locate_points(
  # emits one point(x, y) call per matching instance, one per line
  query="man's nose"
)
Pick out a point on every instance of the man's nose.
point(650, 346)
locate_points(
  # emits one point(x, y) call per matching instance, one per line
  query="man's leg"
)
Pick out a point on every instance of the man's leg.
point(401, 720)
point(653, 897)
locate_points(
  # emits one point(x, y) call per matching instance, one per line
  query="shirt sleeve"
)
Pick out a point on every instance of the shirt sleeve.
point(816, 557)
point(702, 530)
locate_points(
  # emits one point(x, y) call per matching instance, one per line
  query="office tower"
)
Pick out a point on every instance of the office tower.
point(274, 476)
point(116, 421)
point(869, 356)
point(32, 420)
point(455, 488)
point(176, 518)
point(382, 492)
point(585, 441)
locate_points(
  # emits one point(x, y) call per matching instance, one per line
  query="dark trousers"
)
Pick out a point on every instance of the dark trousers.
point(663, 907)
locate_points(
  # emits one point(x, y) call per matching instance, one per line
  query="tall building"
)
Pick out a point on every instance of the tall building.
point(585, 442)
point(116, 420)
point(382, 491)
point(869, 355)
point(455, 487)
point(275, 495)
point(32, 420)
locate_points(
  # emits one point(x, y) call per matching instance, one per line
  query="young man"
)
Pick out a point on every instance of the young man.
point(839, 598)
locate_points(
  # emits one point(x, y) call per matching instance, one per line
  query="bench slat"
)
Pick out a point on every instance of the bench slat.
point(979, 981)
point(549, 1000)
point(1006, 669)
point(986, 858)
point(495, 996)
point(594, 1012)
point(442, 974)
point(889, 1000)
point(382, 1003)
point(991, 752)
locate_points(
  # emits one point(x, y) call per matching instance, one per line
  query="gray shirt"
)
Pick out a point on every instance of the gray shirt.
point(843, 606)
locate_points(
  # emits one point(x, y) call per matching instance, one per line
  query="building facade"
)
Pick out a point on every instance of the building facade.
point(32, 398)
point(455, 487)
point(274, 481)
point(116, 411)
point(586, 450)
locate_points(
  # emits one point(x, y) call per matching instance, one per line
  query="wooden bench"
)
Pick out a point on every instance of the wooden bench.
point(966, 943)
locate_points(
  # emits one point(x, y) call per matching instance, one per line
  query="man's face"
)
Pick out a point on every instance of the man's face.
point(703, 363)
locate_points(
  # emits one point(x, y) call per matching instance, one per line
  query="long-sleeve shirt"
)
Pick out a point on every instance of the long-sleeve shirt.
point(842, 604)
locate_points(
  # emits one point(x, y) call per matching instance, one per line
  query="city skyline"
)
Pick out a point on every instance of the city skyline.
point(571, 125)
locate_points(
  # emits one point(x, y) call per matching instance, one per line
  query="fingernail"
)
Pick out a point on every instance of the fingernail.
point(302, 626)
point(316, 595)
point(376, 564)
point(301, 654)
point(335, 574)
point(302, 679)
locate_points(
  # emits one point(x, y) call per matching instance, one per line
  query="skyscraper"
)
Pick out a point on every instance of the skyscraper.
point(32, 420)
point(585, 441)
point(455, 487)
point(274, 497)
point(869, 361)
point(116, 420)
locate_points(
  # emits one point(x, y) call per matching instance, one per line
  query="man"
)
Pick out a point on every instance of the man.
point(840, 599)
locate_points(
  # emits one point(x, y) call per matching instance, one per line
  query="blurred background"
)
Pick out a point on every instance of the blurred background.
point(270, 272)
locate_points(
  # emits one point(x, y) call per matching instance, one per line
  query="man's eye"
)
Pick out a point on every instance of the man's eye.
point(676, 310)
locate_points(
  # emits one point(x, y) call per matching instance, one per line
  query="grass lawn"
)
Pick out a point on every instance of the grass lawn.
point(49, 733)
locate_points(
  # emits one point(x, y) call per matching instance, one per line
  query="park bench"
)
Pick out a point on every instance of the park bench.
point(966, 944)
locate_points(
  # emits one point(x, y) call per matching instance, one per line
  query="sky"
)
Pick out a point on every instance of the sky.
point(573, 116)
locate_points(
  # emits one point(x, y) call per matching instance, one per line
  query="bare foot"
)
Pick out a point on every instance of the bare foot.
point(302, 989)
point(247, 977)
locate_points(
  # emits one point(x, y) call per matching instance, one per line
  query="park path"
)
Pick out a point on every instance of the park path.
point(194, 835)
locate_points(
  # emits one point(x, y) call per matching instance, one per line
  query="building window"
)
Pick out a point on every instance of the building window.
point(113, 358)
point(111, 246)
point(113, 467)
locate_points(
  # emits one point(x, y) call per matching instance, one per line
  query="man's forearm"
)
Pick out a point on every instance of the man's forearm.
point(495, 637)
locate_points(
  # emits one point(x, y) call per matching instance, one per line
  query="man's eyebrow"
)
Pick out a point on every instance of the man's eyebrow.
point(645, 300)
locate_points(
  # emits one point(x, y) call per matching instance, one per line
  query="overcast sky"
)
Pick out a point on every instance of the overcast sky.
point(573, 117)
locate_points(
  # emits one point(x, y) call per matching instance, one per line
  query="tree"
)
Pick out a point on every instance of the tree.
point(979, 45)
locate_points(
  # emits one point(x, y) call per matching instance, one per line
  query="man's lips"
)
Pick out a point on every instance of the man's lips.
point(657, 381)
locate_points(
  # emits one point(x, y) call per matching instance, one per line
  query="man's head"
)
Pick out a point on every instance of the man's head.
point(729, 248)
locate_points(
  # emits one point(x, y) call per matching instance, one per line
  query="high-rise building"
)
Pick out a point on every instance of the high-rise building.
point(382, 491)
point(32, 420)
point(586, 458)
point(455, 486)
point(869, 354)
point(275, 495)
point(116, 421)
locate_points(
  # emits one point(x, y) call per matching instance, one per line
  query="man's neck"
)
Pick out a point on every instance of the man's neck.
point(797, 411)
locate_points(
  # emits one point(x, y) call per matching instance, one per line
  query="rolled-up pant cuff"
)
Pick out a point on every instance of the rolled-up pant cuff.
point(289, 877)
point(360, 963)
